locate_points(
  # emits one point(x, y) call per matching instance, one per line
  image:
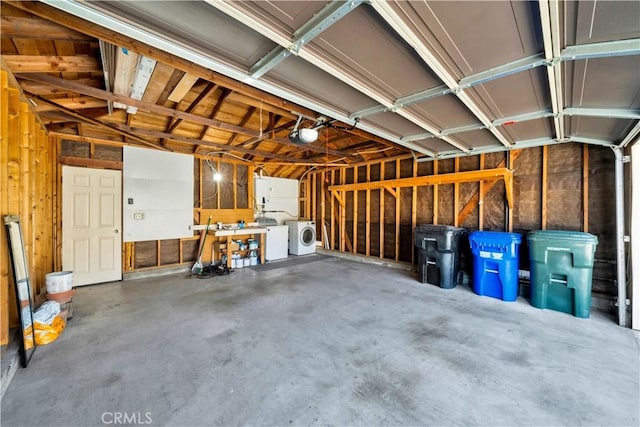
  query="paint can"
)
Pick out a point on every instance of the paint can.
point(246, 262)
point(253, 260)
point(61, 281)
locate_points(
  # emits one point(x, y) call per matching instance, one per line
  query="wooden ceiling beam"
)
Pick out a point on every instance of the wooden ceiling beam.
point(198, 142)
point(159, 109)
point(98, 123)
point(367, 135)
point(271, 130)
point(59, 117)
point(74, 103)
point(248, 100)
point(174, 123)
point(35, 28)
point(171, 85)
point(86, 139)
point(51, 64)
point(47, 90)
point(271, 127)
point(244, 121)
point(216, 109)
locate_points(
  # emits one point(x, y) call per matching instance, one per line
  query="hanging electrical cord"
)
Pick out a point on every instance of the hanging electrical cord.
point(329, 124)
point(375, 151)
point(260, 118)
point(262, 168)
point(306, 172)
point(222, 153)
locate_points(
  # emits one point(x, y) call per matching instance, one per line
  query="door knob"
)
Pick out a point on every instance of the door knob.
point(116, 231)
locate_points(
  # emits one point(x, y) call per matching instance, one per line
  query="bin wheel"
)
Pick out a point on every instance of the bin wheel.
point(460, 277)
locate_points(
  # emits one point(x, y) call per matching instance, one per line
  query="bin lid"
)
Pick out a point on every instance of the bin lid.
point(561, 235)
point(495, 237)
point(438, 229)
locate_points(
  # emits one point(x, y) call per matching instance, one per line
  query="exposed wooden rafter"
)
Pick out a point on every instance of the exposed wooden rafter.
point(34, 28)
point(243, 122)
point(48, 64)
point(158, 109)
point(95, 122)
point(174, 123)
point(198, 142)
point(216, 109)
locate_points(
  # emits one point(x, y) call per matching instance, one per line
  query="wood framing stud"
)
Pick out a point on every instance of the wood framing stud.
point(391, 191)
point(485, 187)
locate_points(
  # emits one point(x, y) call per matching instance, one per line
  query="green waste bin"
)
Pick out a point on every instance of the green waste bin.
point(562, 270)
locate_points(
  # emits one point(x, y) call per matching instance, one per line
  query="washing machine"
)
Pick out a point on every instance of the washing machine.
point(302, 237)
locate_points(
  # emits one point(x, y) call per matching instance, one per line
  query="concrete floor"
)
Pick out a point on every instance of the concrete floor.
point(323, 341)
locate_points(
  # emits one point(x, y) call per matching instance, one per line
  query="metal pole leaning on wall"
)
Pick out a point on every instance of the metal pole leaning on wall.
point(622, 280)
point(507, 209)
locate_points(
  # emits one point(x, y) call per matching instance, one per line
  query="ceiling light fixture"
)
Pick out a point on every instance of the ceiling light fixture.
point(309, 135)
point(141, 80)
point(304, 135)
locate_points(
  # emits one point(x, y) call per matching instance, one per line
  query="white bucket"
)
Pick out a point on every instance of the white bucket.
point(253, 260)
point(61, 281)
point(246, 262)
point(239, 263)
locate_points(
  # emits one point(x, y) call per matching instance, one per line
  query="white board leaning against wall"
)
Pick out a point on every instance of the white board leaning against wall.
point(157, 195)
point(277, 198)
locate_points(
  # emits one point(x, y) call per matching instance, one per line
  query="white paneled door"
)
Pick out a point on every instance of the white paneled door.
point(91, 224)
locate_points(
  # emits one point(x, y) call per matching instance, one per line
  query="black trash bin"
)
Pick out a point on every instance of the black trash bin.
point(438, 254)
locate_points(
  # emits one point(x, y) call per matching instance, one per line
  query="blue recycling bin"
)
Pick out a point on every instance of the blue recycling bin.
point(495, 264)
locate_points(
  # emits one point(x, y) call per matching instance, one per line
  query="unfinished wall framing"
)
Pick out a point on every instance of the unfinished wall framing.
point(371, 208)
point(27, 189)
point(229, 200)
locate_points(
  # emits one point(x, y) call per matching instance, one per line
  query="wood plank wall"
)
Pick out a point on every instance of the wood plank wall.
point(27, 188)
point(559, 187)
